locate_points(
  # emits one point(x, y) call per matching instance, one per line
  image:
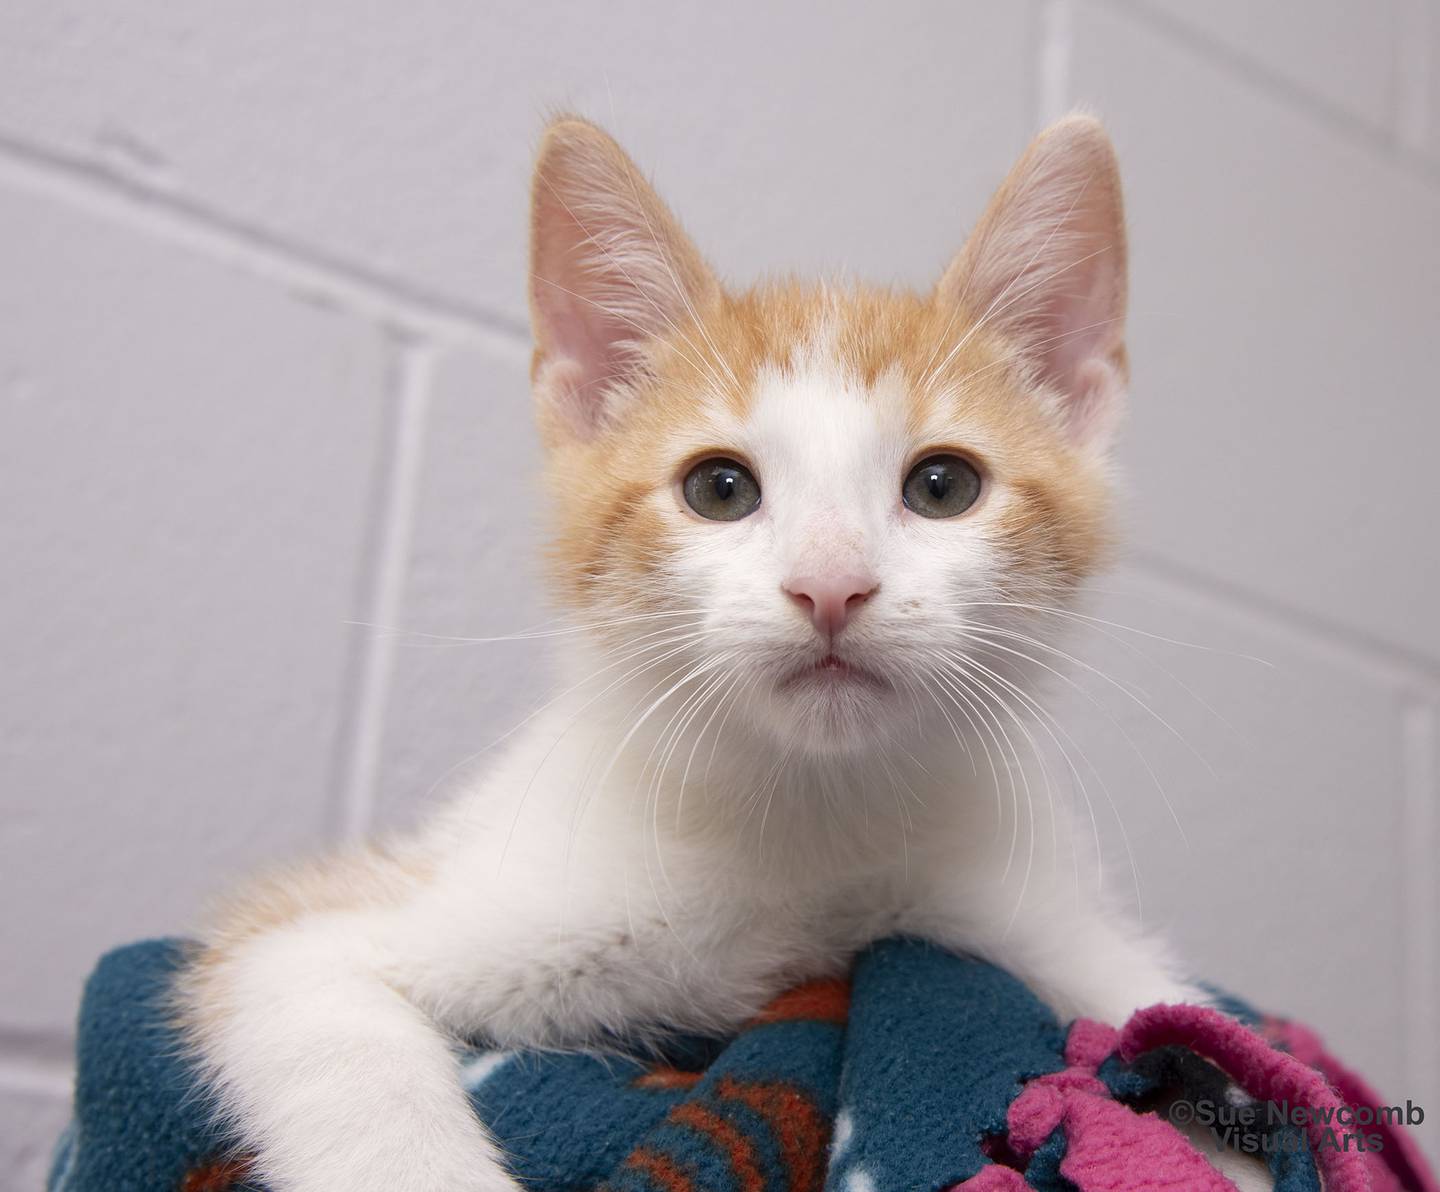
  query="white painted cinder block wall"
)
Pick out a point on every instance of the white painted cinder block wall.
point(262, 362)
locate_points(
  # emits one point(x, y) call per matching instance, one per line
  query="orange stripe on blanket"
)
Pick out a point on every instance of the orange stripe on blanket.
point(738, 1150)
point(815, 1001)
point(664, 1173)
point(801, 1129)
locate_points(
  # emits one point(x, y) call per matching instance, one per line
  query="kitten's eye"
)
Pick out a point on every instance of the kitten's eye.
point(941, 486)
point(721, 490)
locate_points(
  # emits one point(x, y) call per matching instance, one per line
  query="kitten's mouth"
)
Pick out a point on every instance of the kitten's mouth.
point(833, 670)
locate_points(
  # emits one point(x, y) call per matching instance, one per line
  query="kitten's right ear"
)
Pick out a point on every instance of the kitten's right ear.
point(609, 268)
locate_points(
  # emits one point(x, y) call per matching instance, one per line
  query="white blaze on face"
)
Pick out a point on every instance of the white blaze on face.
point(833, 456)
point(829, 452)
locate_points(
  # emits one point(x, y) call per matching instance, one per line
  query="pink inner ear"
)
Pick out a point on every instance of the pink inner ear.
point(582, 338)
point(1075, 338)
point(586, 350)
point(609, 268)
point(1066, 316)
point(1079, 321)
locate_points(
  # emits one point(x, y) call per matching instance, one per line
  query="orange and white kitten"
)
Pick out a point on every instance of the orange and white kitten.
point(810, 536)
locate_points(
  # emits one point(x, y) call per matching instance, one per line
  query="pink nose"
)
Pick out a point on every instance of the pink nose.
point(830, 600)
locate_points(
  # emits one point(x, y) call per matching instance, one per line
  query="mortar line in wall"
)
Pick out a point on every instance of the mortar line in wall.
point(1421, 940)
point(37, 1077)
point(1375, 138)
point(1056, 20)
point(38, 1060)
point(45, 1045)
point(307, 272)
point(1313, 633)
point(384, 572)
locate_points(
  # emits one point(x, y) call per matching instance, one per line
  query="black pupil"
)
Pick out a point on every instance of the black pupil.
point(725, 484)
point(938, 481)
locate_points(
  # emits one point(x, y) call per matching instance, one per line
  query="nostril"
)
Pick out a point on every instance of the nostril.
point(803, 599)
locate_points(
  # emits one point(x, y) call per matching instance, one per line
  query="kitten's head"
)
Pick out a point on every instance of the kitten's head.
point(830, 509)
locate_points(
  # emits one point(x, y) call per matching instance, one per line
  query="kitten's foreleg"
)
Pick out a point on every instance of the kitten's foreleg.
point(330, 1076)
point(1080, 958)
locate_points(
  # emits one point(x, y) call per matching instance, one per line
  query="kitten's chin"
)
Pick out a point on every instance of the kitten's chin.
point(831, 707)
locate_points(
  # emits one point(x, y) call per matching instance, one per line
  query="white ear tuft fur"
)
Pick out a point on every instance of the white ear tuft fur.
point(1046, 268)
point(609, 268)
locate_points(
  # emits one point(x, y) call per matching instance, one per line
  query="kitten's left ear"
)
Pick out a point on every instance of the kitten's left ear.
point(610, 268)
point(1045, 267)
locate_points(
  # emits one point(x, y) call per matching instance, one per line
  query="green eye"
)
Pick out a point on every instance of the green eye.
point(722, 490)
point(941, 486)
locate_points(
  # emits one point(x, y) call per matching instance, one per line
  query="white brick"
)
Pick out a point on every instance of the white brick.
point(1284, 306)
point(186, 459)
point(474, 572)
point(864, 137)
point(1338, 51)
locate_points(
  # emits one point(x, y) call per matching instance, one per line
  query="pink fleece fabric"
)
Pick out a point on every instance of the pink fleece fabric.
point(1111, 1148)
point(1107, 1144)
point(1263, 1072)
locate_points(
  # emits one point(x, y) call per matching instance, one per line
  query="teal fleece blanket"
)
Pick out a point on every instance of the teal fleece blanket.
point(923, 1071)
